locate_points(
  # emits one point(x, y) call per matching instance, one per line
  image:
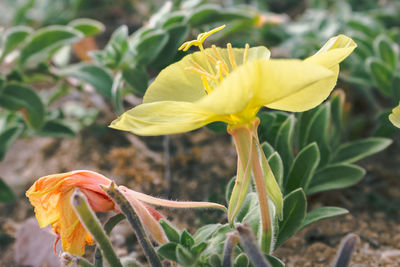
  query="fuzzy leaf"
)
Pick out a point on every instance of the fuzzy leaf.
point(19, 97)
point(96, 76)
point(6, 194)
point(168, 251)
point(276, 164)
point(150, 46)
point(7, 137)
point(294, 212)
point(12, 38)
point(45, 41)
point(170, 232)
point(357, 150)
point(381, 75)
point(303, 168)
point(335, 177)
point(323, 213)
point(283, 141)
point(88, 27)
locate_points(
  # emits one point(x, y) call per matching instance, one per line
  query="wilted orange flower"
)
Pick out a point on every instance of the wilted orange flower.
point(51, 197)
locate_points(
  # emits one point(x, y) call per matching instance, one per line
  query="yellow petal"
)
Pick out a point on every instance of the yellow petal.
point(176, 83)
point(264, 82)
point(333, 52)
point(72, 232)
point(165, 117)
point(395, 116)
point(329, 56)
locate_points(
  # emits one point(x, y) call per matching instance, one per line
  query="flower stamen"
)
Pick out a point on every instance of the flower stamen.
point(246, 53)
point(205, 84)
point(231, 56)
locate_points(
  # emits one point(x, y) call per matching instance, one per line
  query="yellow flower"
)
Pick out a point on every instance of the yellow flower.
point(395, 116)
point(231, 85)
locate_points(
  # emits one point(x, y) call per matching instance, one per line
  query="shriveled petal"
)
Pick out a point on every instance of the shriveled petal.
point(395, 116)
point(72, 232)
point(165, 117)
point(176, 83)
point(264, 82)
point(170, 203)
point(148, 220)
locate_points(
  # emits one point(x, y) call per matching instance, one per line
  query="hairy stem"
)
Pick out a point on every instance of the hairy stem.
point(250, 246)
point(115, 194)
point(92, 224)
point(231, 242)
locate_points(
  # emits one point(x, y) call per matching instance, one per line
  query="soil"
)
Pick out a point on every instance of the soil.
point(200, 164)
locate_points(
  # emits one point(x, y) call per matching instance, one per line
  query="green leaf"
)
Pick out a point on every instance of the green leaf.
point(56, 128)
point(215, 261)
point(229, 188)
point(335, 177)
point(89, 27)
point(96, 76)
point(294, 212)
point(183, 256)
point(267, 120)
point(149, 48)
point(337, 106)
point(387, 51)
point(303, 168)
point(170, 232)
point(45, 41)
point(16, 96)
point(12, 38)
point(267, 149)
point(381, 75)
point(186, 239)
point(197, 249)
point(274, 261)
point(137, 79)
point(283, 141)
point(205, 232)
point(276, 164)
point(176, 36)
point(318, 131)
point(203, 14)
point(7, 137)
point(323, 213)
point(168, 251)
point(6, 194)
point(357, 150)
point(241, 260)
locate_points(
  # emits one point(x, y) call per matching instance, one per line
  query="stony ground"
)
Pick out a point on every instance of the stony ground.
point(199, 165)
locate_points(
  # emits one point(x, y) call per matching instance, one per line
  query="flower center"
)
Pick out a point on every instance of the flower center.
point(217, 68)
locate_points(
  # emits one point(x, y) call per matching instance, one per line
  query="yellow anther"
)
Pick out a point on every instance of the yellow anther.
point(231, 56)
point(206, 85)
point(246, 53)
point(200, 39)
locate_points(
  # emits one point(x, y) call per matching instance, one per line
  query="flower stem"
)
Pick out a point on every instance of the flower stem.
point(92, 224)
point(68, 259)
point(115, 194)
point(249, 244)
point(266, 228)
point(108, 226)
point(231, 241)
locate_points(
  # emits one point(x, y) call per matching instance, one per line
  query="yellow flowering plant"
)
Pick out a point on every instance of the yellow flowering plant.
point(232, 85)
point(394, 117)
